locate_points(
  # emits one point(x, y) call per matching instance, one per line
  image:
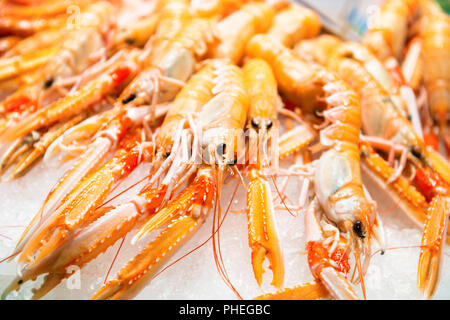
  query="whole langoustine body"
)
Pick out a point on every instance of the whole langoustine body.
point(339, 190)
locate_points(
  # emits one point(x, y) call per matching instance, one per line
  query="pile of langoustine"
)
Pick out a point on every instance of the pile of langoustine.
point(178, 88)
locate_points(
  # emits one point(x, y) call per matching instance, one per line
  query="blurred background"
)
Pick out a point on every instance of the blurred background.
point(349, 18)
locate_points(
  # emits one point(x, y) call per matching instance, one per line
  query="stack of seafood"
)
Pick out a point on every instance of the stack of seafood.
point(202, 92)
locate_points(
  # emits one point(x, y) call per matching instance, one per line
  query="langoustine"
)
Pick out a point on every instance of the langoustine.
point(341, 197)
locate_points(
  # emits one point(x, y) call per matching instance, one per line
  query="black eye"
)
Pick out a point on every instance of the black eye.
point(358, 228)
point(130, 98)
point(348, 55)
point(415, 150)
point(269, 124)
point(130, 41)
point(255, 123)
point(221, 149)
point(48, 83)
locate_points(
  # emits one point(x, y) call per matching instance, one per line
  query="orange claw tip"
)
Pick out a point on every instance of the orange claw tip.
point(263, 235)
point(258, 257)
point(432, 244)
point(305, 291)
